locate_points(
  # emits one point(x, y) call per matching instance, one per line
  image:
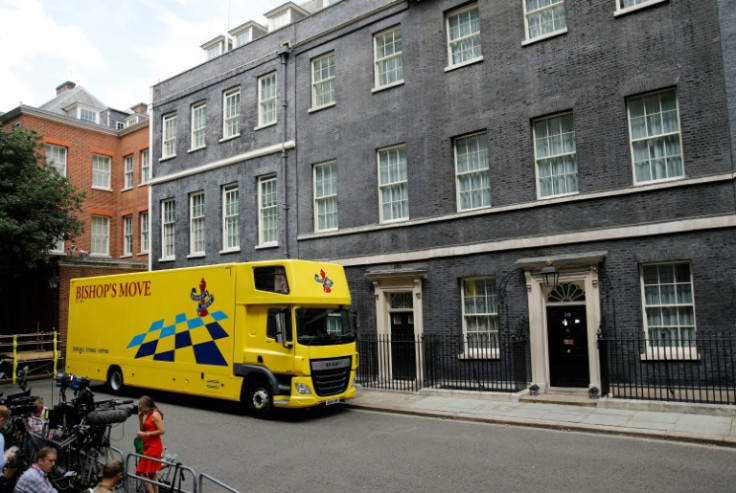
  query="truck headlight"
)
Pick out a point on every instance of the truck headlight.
point(302, 389)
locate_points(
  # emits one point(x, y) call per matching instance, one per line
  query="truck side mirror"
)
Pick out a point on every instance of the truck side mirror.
point(283, 328)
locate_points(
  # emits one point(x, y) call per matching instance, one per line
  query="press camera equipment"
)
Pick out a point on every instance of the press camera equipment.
point(83, 410)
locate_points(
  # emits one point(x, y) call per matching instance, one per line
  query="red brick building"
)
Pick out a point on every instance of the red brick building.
point(104, 152)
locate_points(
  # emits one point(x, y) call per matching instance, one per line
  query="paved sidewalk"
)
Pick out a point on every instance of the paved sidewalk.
point(706, 424)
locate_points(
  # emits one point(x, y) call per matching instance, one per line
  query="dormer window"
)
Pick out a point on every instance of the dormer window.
point(84, 113)
point(88, 114)
point(214, 51)
point(217, 46)
point(132, 120)
point(247, 32)
point(285, 15)
point(281, 20)
point(244, 37)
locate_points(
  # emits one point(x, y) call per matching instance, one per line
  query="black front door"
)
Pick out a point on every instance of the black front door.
point(403, 351)
point(567, 332)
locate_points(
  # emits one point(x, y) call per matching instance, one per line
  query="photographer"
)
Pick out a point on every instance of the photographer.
point(36, 422)
point(4, 417)
point(111, 474)
point(36, 477)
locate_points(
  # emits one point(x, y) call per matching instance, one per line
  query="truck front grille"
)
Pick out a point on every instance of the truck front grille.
point(331, 376)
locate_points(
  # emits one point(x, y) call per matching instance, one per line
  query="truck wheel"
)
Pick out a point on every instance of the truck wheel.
point(115, 380)
point(259, 399)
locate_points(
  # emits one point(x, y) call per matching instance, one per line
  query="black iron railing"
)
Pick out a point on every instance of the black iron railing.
point(456, 362)
point(699, 368)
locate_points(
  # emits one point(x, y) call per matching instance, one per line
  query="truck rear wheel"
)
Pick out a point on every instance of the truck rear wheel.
point(259, 399)
point(115, 380)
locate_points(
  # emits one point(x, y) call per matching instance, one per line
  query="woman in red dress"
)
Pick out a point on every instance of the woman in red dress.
point(152, 427)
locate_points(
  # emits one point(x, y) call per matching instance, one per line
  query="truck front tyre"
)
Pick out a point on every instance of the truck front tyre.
point(115, 380)
point(259, 399)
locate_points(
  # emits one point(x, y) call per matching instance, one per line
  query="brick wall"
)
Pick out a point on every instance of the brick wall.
point(82, 143)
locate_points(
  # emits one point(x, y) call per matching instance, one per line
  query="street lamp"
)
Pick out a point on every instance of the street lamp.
point(550, 275)
point(54, 281)
point(54, 285)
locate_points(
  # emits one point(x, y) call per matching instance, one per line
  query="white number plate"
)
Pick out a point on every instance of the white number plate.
point(333, 401)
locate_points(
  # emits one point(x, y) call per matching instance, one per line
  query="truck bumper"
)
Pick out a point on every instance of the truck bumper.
point(296, 400)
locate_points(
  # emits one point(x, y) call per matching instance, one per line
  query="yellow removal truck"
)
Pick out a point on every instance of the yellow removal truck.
point(275, 333)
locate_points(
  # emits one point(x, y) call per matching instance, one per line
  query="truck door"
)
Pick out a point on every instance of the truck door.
point(279, 351)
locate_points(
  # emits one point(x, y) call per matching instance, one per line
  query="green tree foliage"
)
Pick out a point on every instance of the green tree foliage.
point(37, 205)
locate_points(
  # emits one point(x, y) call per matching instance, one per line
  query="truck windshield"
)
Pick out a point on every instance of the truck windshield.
point(321, 327)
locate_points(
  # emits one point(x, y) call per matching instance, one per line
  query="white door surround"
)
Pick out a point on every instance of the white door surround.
point(582, 271)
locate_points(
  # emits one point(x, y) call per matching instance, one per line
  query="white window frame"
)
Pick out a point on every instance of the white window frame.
point(230, 120)
point(168, 136)
point(215, 50)
point(638, 5)
point(547, 161)
point(145, 166)
point(243, 38)
point(128, 235)
point(100, 236)
point(145, 232)
point(268, 211)
point(482, 309)
point(128, 165)
point(456, 39)
point(681, 294)
point(393, 183)
point(325, 196)
point(323, 81)
point(168, 229)
point(267, 89)
point(655, 140)
point(388, 58)
point(280, 20)
point(199, 126)
point(472, 171)
point(536, 10)
point(196, 224)
point(230, 218)
point(59, 246)
point(56, 157)
point(101, 171)
point(84, 113)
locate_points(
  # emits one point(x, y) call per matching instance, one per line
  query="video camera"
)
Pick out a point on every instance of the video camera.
point(20, 403)
point(83, 410)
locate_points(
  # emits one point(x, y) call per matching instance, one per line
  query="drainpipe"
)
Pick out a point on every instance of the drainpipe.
point(283, 53)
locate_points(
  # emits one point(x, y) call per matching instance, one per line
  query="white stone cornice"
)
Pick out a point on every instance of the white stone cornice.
point(263, 151)
point(624, 232)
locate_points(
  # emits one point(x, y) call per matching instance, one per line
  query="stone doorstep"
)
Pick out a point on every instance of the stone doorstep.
point(561, 398)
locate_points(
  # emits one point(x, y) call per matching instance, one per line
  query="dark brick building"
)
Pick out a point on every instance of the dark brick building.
point(447, 152)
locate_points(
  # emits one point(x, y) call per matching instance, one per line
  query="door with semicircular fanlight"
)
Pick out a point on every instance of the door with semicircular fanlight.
point(567, 333)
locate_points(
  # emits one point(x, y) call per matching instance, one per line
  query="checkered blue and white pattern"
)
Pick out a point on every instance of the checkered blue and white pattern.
point(190, 340)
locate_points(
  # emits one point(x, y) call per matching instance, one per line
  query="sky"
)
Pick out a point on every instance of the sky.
point(116, 49)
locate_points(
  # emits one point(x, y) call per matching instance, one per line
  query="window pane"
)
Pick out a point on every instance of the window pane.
point(232, 114)
point(668, 303)
point(388, 58)
point(392, 183)
point(480, 313)
point(464, 35)
point(655, 138)
point(554, 147)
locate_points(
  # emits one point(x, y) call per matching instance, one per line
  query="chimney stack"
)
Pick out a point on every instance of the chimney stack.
point(139, 108)
point(66, 86)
